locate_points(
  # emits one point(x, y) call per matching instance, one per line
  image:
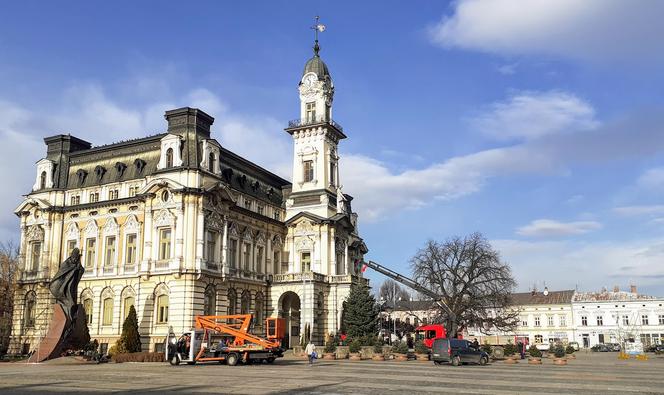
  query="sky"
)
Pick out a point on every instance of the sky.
point(539, 124)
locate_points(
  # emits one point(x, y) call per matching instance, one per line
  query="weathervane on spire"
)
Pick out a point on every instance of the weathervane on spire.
point(318, 27)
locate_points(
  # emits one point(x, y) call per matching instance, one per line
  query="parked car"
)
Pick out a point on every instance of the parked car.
point(574, 345)
point(601, 348)
point(457, 352)
point(656, 348)
point(613, 346)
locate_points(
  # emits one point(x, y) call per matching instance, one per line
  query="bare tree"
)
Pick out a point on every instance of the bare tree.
point(391, 292)
point(8, 275)
point(472, 281)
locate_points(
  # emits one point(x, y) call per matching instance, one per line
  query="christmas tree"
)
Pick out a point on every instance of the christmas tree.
point(130, 340)
point(360, 315)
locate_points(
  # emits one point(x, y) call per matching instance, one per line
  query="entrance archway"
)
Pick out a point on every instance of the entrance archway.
point(289, 309)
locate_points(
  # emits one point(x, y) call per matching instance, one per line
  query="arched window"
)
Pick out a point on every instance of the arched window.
point(169, 157)
point(245, 302)
point(162, 309)
point(210, 301)
point(87, 306)
point(232, 301)
point(211, 162)
point(29, 310)
point(127, 303)
point(42, 180)
point(259, 309)
point(408, 320)
point(107, 315)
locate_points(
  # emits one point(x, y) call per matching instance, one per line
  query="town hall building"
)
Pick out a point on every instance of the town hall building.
point(177, 225)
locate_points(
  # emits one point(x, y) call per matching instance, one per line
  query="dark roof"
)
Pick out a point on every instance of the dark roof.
point(413, 305)
point(316, 65)
point(554, 297)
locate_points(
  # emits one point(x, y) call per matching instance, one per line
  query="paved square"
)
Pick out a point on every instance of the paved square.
point(589, 374)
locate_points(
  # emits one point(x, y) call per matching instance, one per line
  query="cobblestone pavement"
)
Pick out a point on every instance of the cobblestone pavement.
point(588, 374)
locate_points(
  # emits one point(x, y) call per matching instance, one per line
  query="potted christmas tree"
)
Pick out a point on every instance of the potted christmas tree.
point(569, 350)
point(421, 351)
point(535, 355)
point(355, 346)
point(559, 354)
point(329, 352)
point(378, 350)
point(510, 351)
point(400, 351)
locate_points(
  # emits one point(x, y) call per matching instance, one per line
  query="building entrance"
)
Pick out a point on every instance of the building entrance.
point(289, 310)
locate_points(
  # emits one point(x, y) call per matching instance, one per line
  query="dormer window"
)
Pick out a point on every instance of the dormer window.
point(42, 180)
point(140, 165)
point(120, 168)
point(81, 174)
point(99, 172)
point(169, 157)
point(211, 162)
point(310, 112)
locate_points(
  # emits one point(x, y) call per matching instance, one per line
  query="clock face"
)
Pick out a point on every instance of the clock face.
point(309, 79)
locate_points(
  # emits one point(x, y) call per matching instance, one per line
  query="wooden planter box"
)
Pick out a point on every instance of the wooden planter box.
point(560, 361)
point(378, 357)
point(535, 361)
point(329, 356)
point(422, 357)
point(571, 356)
point(342, 352)
point(367, 352)
point(387, 351)
point(355, 356)
point(401, 357)
point(511, 360)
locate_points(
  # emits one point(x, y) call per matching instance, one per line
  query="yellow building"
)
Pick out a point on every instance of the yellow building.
point(177, 225)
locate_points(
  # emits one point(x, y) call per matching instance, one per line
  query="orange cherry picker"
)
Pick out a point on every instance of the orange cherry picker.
point(226, 339)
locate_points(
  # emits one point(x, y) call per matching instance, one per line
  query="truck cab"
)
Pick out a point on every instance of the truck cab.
point(429, 333)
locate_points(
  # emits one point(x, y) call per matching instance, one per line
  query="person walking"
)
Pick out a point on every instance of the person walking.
point(311, 352)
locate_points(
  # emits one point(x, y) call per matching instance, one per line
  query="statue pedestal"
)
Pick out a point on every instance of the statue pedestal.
point(61, 333)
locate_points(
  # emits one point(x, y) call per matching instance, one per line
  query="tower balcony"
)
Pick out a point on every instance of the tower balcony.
point(308, 122)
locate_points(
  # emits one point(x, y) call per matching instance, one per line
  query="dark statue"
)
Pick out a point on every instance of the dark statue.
point(64, 286)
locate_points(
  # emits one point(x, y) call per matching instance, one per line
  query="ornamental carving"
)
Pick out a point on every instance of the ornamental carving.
point(247, 235)
point(131, 225)
point(277, 242)
point(72, 232)
point(304, 228)
point(260, 238)
point(340, 246)
point(35, 233)
point(214, 220)
point(163, 218)
point(111, 226)
point(305, 243)
point(91, 229)
point(232, 229)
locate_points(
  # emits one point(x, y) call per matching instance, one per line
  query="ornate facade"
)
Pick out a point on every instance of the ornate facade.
point(177, 225)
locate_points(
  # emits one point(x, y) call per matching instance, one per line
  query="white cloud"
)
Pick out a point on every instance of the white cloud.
point(549, 227)
point(591, 265)
point(531, 115)
point(638, 210)
point(652, 179)
point(593, 30)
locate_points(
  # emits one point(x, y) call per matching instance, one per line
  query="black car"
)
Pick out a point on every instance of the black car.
point(457, 352)
point(657, 349)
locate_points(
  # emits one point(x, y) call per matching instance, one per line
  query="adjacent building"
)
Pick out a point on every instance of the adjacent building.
point(177, 225)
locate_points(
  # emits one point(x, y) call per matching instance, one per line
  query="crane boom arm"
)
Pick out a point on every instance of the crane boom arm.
point(411, 284)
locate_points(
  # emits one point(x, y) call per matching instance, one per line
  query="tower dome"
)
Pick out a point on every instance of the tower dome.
point(316, 65)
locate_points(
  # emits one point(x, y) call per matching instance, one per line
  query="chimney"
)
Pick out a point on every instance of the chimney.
point(616, 288)
point(632, 289)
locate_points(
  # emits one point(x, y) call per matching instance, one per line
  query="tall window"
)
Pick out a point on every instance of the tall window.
point(162, 309)
point(333, 171)
point(600, 320)
point(164, 243)
point(550, 320)
point(42, 180)
point(247, 204)
point(563, 320)
point(90, 252)
point(29, 310)
point(625, 320)
point(109, 258)
point(130, 259)
point(94, 197)
point(259, 259)
point(127, 303)
point(644, 320)
point(306, 261)
point(308, 168)
point(232, 253)
point(277, 216)
point(75, 199)
point(87, 306)
point(260, 209)
point(210, 302)
point(259, 309)
point(211, 162)
point(107, 318)
point(169, 157)
point(245, 302)
point(211, 246)
point(537, 321)
point(232, 301)
point(310, 111)
point(661, 319)
point(132, 191)
point(584, 320)
point(35, 255)
point(247, 256)
point(539, 339)
point(275, 261)
point(113, 194)
point(71, 244)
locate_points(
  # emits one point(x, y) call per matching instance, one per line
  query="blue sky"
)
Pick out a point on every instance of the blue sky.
point(539, 125)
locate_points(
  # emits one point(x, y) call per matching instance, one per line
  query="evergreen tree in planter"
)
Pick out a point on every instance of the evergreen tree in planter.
point(534, 352)
point(354, 347)
point(130, 339)
point(330, 348)
point(360, 316)
point(378, 350)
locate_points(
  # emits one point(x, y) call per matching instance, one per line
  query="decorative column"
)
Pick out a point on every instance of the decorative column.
point(224, 247)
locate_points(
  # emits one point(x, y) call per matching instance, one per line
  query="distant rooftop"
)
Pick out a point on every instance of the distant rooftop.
point(608, 296)
point(538, 297)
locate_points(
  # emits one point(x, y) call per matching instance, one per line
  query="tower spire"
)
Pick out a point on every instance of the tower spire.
point(318, 27)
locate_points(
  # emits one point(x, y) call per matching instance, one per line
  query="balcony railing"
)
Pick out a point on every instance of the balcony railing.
point(296, 123)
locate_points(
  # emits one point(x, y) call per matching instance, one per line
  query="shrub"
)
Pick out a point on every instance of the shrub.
point(130, 340)
point(420, 347)
point(399, 347)
point(330, 345)
point(486, 347)
point(552, 348)
point(510, 349)
point(378, 347)
point(139, 357)
point(559, 351)
point(534, 351)
point(355, 346)
point(569, 349)
point(113, 350)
